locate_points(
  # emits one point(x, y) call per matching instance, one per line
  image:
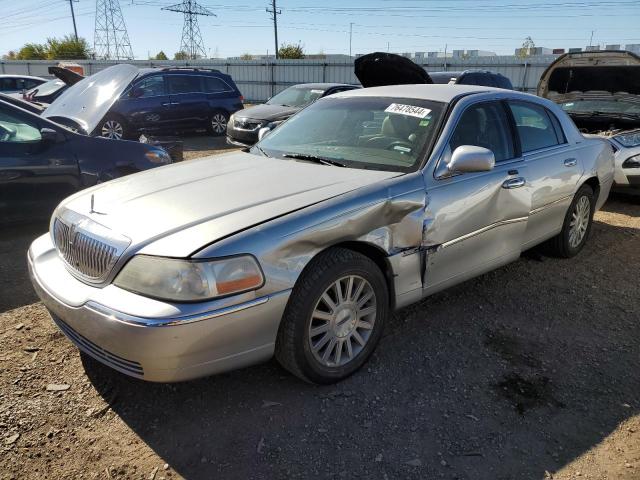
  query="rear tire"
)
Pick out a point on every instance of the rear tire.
point(577, 225)
point(323, 344)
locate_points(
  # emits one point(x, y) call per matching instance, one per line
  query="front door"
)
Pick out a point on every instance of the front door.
point(476, 221)
point(35, 173)
point(146, 105)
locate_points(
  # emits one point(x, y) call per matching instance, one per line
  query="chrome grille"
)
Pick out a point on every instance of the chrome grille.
point(89, 256)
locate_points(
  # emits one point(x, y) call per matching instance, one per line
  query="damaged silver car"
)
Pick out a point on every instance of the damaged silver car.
point(364, 202)
point(601, 92)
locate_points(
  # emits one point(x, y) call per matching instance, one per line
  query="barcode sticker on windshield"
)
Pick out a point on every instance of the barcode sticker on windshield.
point(410, 110)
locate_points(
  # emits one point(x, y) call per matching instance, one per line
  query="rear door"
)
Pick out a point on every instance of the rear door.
point(35, 174)
point(553, 165)
point(189, 105)
point(146, 105)
point(476, 221)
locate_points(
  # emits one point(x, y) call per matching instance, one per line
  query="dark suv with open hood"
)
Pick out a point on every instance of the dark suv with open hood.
point(601, 93)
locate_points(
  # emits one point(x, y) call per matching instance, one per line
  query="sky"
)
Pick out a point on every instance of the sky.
point(244, 26)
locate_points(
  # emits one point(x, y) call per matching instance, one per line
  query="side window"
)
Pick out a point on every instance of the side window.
point(184, 83)
point(151, 86)
point(17, 128)
point(557, 127)
point(485, 125)
point(29, 84)
point(534, 126)
point(7, 83)
point(215, 85)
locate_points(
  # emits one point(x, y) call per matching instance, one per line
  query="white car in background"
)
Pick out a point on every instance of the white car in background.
point(601, 93)
point(19, 83)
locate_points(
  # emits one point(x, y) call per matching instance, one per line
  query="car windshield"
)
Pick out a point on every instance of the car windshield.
point(359, 132)
point(296, 96)
point(613, 106)
point(47, 88)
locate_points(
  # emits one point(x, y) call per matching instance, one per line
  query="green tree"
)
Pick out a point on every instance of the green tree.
point(181, 56)
point(290, 50)
point(67, 48)
point(32, 51)
point(525, 50)
point(10, 55)
point(246, 56)
point(160, 56)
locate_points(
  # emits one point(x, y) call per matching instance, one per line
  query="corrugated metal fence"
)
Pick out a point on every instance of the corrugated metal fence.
point(261, 79)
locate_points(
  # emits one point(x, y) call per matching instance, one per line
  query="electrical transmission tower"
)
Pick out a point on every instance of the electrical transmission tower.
point(111, 40)
point(191, 43)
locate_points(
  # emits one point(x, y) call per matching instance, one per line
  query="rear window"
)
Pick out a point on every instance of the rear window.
point(184, 83)
point(213, 84)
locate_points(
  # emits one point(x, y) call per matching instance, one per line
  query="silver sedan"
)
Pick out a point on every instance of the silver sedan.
point(364, 202)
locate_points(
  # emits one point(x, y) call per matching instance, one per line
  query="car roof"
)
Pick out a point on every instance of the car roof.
point(323, 85)
point(30, 77)
point(435, 92)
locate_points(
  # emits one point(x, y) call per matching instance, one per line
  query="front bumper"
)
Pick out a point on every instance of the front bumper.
point(165, 348)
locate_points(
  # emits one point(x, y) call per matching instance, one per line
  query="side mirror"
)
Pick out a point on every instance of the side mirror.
point(136, 92)
point(263, 132)
point(470, 158)
point(51, 136)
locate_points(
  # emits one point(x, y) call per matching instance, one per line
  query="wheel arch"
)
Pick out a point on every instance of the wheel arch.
point(594, 183)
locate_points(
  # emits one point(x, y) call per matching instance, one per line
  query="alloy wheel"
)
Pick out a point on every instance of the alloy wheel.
point(342, 321)
point(112, 129)
point(219, 123)
point(579, 221)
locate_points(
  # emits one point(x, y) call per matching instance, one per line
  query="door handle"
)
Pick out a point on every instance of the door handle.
point(570, 162)
point(514, 183)
point(165, 104)
point(9, 175)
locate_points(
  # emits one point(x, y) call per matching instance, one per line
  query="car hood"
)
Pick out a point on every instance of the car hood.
point(591, 76)
point(267, 112)
point(89, 100)
point(379, 69)
point(178, 209)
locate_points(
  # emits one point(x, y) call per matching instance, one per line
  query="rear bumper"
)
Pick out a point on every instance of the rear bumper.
point(166, 349)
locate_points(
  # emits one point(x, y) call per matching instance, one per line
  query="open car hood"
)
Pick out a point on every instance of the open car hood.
point(89, 100)
point(379, 69)
point(592, 76)
point(69, 77)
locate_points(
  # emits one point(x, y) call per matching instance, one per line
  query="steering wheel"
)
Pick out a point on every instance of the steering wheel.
point(400, 143)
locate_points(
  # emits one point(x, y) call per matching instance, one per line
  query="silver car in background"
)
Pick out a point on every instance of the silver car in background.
point(364, 202)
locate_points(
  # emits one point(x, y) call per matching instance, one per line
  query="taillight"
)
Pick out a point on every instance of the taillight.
point(241, 98)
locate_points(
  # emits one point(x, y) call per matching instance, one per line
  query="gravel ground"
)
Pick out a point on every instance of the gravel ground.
point(528, 372)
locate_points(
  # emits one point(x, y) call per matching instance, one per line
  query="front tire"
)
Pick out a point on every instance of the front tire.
point(218, 123)
point(115, 128)
point(577, 225)
point(334, 318)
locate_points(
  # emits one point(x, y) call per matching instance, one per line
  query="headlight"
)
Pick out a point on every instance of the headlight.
point(632, 162)
point(190, 280)
point(158, 156)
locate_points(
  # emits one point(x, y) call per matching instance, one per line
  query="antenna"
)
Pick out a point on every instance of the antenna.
point(110, 39)
point(191, 42)
point(274, 15)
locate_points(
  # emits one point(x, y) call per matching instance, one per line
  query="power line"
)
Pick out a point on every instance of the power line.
point(191, 42)
point(274, 15)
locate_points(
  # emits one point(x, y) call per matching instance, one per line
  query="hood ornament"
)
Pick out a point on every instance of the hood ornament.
point(92, 210)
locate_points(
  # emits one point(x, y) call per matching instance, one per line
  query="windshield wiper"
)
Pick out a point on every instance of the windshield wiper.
point(597, 113)
point(314, 159)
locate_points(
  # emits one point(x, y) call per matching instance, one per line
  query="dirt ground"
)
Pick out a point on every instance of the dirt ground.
point(528, 372)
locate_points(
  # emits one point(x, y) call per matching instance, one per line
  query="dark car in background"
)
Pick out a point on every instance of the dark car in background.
point(483, 78)
point(162, 101)
point(42, 162)
point(243, 127)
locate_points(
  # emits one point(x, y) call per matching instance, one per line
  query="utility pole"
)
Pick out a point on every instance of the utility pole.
point(73, 16)
point(191, 42)
point(274, 15)
point(110, 39)
point(350, 36)
point(591, 39)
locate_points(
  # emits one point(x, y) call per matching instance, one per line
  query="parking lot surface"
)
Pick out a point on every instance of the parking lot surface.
point(528, 372)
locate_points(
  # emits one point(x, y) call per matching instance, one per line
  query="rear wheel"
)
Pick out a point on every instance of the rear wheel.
point(334, 318)
point(218, 123)
point(577, 225)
